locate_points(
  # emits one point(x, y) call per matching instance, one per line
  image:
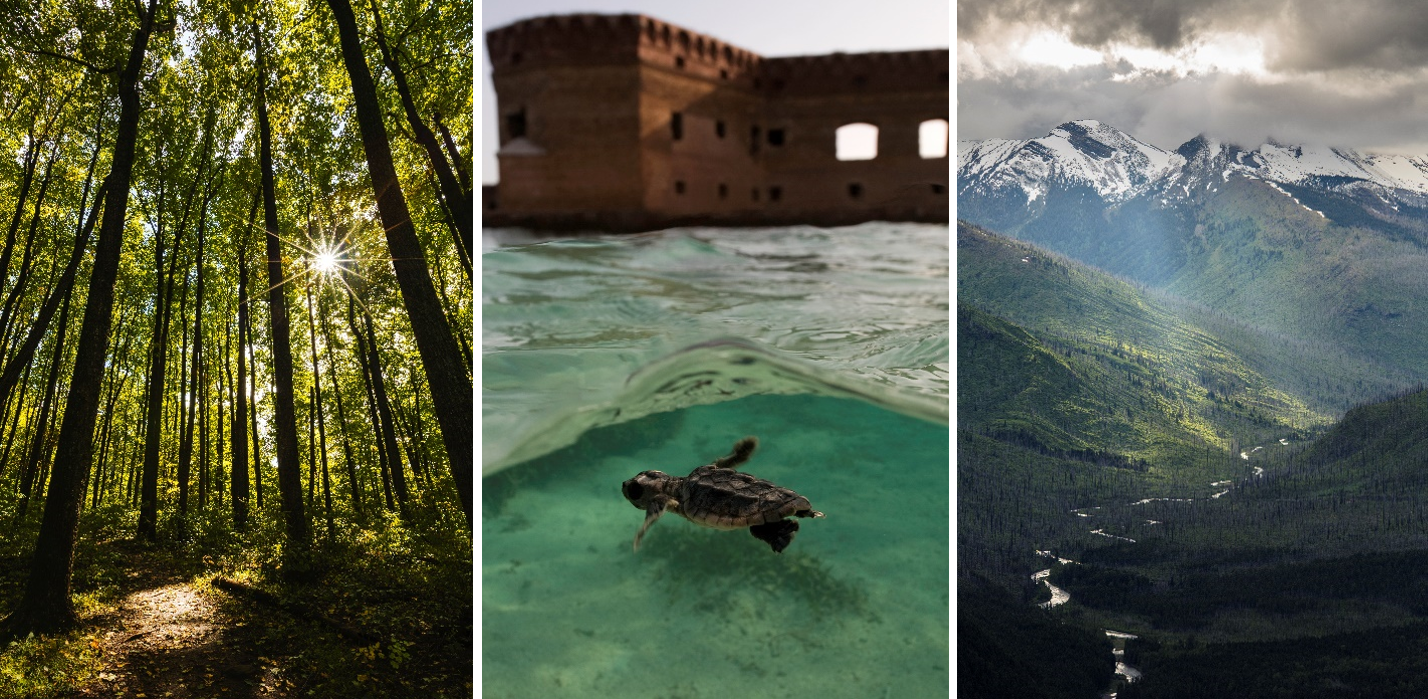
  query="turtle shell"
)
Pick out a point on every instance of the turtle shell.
point(723, 498)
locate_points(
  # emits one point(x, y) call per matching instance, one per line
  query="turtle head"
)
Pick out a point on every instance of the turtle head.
point(646, 486)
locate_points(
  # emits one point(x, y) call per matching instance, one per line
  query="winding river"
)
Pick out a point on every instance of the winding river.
point(1126, 674)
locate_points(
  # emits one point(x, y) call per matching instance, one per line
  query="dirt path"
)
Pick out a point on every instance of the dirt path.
point(171, 638)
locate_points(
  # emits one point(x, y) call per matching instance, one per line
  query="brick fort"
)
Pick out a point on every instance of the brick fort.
point(625, 123)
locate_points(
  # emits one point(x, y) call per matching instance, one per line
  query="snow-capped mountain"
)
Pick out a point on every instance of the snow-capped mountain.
point(1077, 153)
point(1118, 167)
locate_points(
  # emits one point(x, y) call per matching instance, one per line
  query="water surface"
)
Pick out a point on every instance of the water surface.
point(604, 357)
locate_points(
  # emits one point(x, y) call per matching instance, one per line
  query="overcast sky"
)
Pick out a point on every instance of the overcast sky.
point(769, 28)
point(1350, 73)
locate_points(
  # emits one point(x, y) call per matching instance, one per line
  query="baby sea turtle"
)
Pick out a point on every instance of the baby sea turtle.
point(718, 496)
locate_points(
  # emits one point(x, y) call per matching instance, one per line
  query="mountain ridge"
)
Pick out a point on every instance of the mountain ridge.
point(1118, 166)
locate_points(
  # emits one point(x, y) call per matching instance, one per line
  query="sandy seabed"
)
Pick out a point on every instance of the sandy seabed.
point(856, 607)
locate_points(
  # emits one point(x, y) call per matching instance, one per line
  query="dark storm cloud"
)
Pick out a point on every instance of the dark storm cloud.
point(1326, 35)
point(1167, 110)
point(1163, 24)
point(1301, 35)
point(1337, 72)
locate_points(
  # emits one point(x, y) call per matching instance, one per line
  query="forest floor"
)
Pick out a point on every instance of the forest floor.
point(172, 637)
point(155, 621)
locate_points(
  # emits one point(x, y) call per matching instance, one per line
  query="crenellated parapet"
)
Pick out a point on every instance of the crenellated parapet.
point(676, 48)
point(593, 39)
point(596, 39)
point(889, 71)
point(554, 40)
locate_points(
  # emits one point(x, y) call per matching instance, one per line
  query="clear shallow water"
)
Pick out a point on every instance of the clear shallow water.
point(831, 347)
point(859, 311)
point(855, 607)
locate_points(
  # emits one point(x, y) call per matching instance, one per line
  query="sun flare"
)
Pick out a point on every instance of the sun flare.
point(325, 263)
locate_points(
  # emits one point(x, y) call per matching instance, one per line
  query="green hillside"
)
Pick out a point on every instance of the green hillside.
point(1248, 250)
point(1086, 402)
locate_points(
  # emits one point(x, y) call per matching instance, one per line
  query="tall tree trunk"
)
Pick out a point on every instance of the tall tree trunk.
point(37, 446)
point(360, 349)
point(284, 413)
point(116, 387)
point(456, 157)
point(46, 606)
point(194, 394)
point(238, 478)
point(384, 411)
point(26, 260)
point(317, 407)
point(27, 473)
point(40, 324)
point(355, 486)
point(457, 201)
point(163, 311)
point(448, 381)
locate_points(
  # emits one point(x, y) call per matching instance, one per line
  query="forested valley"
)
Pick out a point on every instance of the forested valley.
point(1235, 511)
point(235, 348)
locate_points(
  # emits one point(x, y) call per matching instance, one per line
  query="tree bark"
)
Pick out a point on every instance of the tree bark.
point(448, 381)
point(354, 485)
point(238, 479)
point(384, 412)
point(37, 446)
point(46, 606)
point(317, 407)
point(359, 348)
point(284, 412)
point(456, 156)
point(163, 312)
point(194, 397)
point(458, 202)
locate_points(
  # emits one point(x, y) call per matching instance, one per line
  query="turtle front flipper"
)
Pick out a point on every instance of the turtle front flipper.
point(778, 534)
point(656, 509)
point(743, 449)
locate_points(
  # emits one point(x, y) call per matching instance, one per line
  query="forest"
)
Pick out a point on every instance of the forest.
point(235, 348)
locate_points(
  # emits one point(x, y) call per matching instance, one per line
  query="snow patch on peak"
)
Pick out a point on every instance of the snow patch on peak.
point(1076, 153)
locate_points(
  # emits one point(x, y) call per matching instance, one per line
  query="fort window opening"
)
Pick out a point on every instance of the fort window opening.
point(723, 74)
point(775, 137)
point(932, 138)
point(676, 125)
point(775, 193)
point(679, 62)
point(855, 190)
point(516, 124)
point(856, 142)
point(679, 186)
point(723, 191)
point(684, 40)
point(938, 189)
point(719, 128)
point(516, 57)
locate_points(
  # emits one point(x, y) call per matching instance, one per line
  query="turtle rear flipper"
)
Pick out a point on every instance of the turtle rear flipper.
point(778, 534)
point(743, 449)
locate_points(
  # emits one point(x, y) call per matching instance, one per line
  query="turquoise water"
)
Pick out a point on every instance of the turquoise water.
point(605, 357)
